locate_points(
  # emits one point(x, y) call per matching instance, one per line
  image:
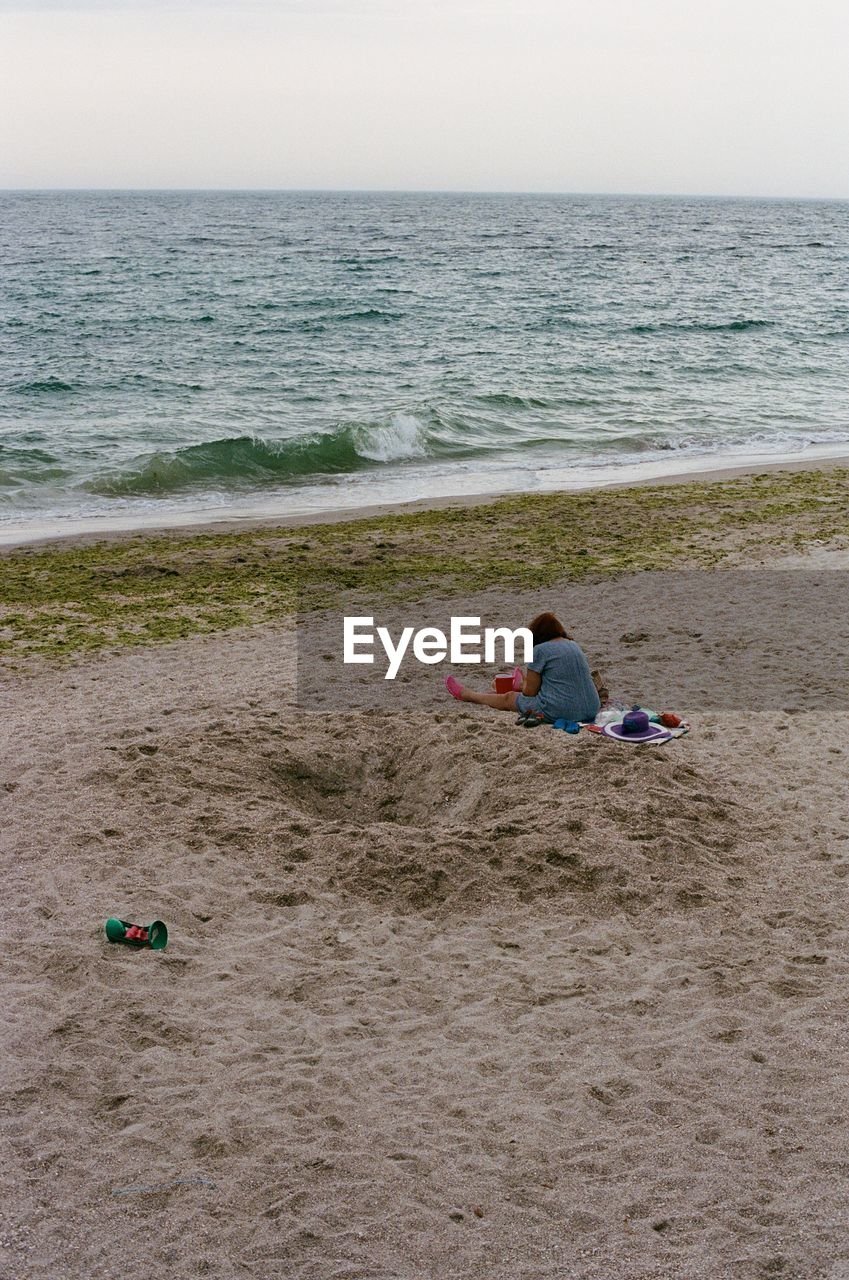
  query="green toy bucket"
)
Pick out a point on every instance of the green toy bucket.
point(153, 936)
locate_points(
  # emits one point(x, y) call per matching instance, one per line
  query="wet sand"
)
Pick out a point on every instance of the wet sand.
point(86, 531)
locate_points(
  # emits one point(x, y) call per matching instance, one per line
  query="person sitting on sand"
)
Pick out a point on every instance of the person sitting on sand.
point(557, 684)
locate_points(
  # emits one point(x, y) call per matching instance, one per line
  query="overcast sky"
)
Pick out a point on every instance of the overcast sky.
point(724, 97)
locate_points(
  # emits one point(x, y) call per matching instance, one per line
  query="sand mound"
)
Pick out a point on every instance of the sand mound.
point(423, 813)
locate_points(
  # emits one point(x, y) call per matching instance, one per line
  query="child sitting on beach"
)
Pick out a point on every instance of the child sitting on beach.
point(557, 685)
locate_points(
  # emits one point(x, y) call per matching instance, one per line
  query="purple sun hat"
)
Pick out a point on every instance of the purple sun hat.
point(635, 726)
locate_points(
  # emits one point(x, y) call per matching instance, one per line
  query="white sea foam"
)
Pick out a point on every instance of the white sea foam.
point(404, 436)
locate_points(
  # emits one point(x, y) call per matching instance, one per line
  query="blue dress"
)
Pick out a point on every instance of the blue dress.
point(567, 690)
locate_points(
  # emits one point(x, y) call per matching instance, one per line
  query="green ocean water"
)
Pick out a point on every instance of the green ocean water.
point(164, 353)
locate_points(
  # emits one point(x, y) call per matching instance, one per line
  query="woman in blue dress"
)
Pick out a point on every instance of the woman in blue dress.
point(557, 685)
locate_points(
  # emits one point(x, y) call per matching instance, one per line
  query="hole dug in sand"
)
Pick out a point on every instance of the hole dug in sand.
point(424, 813)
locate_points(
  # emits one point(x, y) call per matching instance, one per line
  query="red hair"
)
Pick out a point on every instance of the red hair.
point(546, 626)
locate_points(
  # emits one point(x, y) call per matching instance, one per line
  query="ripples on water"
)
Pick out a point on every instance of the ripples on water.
point(166, 349)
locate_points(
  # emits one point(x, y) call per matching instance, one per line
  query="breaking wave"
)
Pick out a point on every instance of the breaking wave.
point(243, 461)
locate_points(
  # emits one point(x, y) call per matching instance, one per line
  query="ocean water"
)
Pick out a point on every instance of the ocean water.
point(168, 355)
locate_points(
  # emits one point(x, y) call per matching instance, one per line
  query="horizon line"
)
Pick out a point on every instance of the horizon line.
point(434, 191)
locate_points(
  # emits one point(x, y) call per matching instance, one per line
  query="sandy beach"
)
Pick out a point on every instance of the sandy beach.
point(442, 998)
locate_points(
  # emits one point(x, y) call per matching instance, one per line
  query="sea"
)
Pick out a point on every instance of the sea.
point(168, 357)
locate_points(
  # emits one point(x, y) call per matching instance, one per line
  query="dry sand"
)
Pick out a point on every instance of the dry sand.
point(443, 998)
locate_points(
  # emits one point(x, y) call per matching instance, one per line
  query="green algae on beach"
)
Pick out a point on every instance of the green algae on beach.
point(64, 600)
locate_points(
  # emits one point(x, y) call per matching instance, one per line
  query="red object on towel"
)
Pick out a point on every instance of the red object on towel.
point(669, 720)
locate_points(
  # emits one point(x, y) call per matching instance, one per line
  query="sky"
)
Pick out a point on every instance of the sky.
point(715, 97)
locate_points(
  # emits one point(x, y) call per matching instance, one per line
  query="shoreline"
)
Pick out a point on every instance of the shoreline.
point(108, 530)
point(76, 595)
